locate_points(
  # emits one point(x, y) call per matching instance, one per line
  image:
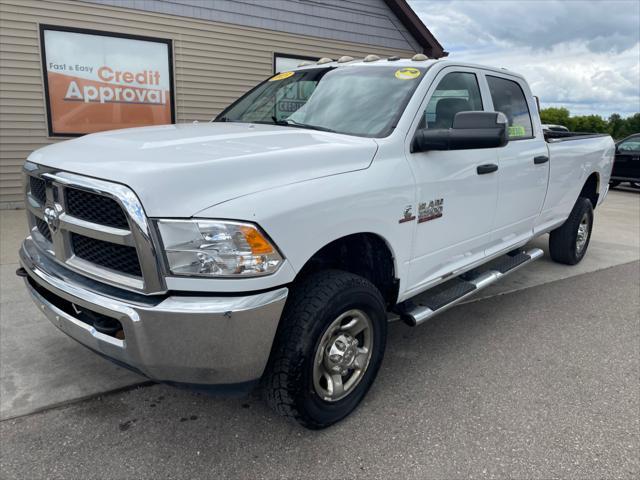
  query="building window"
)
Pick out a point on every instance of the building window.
point(96, 81)
point(283, 62)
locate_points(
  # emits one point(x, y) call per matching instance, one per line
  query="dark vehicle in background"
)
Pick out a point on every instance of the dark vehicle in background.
point(626, 167)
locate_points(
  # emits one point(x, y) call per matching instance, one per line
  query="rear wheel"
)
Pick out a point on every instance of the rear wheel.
point(568, 244)
point(328, 349)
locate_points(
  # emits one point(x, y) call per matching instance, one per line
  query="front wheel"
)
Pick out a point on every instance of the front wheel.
point(328, 349)
point(568, 243)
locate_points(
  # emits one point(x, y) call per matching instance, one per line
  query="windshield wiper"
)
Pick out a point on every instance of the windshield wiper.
point(293, 123)
point(284, 123)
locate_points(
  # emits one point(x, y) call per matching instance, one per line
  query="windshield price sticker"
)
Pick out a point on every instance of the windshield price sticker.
point(407, 73)
point(281, 76)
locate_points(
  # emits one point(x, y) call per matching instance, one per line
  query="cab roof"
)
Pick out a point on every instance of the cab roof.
point(396, 62)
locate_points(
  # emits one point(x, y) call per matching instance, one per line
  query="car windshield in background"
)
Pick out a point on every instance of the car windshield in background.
point(630, 145)
point(360, 100)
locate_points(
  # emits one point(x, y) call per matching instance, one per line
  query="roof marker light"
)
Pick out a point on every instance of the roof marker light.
point(324, 60)
point(345, 59)
point(371, 58)
point(419, 57)
point(304, 64)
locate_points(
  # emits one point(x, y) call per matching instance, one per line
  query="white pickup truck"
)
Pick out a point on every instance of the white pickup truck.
point(271, 246)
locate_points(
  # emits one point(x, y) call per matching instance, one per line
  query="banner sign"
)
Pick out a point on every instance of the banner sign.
point(97, 81)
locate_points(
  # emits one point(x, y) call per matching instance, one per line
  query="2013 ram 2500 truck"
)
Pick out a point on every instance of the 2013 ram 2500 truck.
point(270, 246)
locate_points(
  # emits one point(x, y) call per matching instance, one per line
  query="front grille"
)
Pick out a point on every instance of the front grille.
point(38, 189)
point(43, 228)
point(94, 235)
point(109, 255)
point(95, 208)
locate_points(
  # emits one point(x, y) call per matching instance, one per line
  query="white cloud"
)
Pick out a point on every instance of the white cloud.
point(583, 55)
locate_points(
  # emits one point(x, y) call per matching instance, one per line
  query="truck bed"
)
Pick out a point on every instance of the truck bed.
point(573, 158)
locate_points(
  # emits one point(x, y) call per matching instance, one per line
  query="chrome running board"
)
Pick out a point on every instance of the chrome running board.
point(444, 296)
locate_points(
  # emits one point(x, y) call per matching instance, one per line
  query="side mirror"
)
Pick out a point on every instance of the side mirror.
point(470, 130)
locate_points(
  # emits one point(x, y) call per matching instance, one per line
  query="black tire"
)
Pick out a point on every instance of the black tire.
point(563, 240)
point(313, 305)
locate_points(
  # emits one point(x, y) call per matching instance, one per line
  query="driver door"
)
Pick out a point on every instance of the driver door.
point(456, 200)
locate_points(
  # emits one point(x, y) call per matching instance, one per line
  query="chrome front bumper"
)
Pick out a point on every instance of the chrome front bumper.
point(196, 340)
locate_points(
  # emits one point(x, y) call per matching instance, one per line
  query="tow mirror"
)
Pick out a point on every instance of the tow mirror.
point(470, 130)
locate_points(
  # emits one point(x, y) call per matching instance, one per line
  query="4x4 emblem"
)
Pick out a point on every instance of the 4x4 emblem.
point(52, 217)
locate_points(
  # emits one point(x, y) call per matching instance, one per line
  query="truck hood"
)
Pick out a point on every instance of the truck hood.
point(179, 170)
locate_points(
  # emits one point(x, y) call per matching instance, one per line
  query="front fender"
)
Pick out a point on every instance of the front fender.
point(304, 217)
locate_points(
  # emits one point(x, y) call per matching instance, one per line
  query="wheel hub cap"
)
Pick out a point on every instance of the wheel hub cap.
point(342, 355)
point(583, 233)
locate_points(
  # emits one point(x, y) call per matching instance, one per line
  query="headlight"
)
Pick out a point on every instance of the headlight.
point(217, 248)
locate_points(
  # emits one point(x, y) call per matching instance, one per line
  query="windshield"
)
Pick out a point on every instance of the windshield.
point(630, 145)
point(361, 100)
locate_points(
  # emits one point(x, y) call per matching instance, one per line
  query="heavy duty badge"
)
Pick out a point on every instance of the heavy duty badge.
point(408, 215)
point(431, 211)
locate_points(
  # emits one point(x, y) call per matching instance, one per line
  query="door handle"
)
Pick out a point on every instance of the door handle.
point(487, 168)
point(541, 159)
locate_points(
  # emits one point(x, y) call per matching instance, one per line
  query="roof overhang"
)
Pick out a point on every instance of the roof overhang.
point(430, 46)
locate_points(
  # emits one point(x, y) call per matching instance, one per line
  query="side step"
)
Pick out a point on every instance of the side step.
point(452, 292)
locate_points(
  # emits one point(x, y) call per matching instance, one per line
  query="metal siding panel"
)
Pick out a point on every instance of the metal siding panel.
point(343, 21)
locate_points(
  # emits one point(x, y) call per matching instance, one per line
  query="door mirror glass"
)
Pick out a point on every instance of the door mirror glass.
point(470, 130)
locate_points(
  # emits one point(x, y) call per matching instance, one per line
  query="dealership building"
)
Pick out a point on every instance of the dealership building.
point(71, 67)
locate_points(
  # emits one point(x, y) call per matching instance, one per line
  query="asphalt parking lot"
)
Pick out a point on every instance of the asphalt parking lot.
point(539, 380)
point(540, 383)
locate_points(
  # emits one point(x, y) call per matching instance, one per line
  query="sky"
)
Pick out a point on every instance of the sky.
point(583, 55)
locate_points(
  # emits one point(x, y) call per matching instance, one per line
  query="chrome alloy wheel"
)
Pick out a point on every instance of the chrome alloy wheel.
point(583, 234)
point(343, 355)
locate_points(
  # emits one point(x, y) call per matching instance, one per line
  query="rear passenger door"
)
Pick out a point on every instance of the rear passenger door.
point(523, 163)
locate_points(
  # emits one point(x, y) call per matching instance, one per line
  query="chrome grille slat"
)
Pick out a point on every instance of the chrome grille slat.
point(96, 231)
point(130, 260)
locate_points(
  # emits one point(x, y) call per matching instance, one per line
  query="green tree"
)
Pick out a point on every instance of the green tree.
point(616, 126)
point(555, 116)
point(588, 123)
point(616, 123)
point(631, 125)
